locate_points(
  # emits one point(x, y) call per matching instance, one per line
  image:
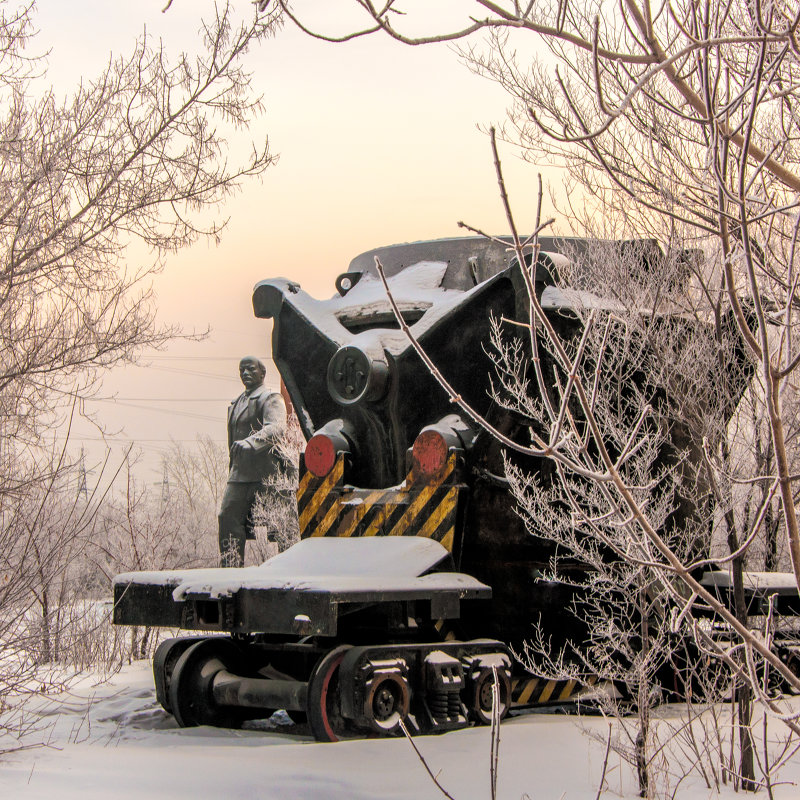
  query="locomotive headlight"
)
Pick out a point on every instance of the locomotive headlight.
point(324, 447)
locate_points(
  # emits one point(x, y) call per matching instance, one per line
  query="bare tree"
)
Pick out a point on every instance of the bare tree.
point(48, 613)
point(197, 476)
point(137, 154)
point(274, 513)
point(134, 154)
point(142, 530)
point(677, 123)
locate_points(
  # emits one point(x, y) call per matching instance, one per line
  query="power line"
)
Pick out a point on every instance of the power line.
point(160, 399)
point(171, 411)
point(121, 440)
point(195, 373)
point(202, 358)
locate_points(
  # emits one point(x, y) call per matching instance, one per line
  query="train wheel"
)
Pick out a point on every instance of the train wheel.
point(790, 655)
point(190, 693)
point(387, 702)
point(164, 660)
point(481, 698)
point(324, 703)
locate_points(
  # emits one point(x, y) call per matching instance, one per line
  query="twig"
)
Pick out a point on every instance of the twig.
point(494, 748)
point(424, 762)
point(605, 765)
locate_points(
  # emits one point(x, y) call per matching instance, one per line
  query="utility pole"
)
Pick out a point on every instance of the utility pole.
point(82, 488)
point(165, 487)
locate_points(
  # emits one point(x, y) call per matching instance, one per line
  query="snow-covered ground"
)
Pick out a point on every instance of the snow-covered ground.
point(112, 740)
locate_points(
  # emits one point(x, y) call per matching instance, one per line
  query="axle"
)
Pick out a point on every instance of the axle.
point(233, 690)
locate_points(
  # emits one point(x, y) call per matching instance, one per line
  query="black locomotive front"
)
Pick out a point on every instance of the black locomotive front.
point(414, 573)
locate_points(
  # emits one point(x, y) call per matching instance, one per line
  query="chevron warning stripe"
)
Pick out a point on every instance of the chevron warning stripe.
point(537, 691)
point(320, 493)
point(328, 508)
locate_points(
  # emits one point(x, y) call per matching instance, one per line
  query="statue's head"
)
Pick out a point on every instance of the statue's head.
point(252, 372)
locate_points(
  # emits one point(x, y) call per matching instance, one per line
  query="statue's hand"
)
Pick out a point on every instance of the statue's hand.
point(240, 446)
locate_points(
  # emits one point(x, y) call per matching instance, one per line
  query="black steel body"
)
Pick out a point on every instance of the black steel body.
point(482, 281)
point(383, 610)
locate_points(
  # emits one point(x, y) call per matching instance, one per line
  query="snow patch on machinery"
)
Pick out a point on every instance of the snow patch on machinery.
point(391, 558)
point(417, 287)
point(351, 585)
point(774, 582)
point(554, 297)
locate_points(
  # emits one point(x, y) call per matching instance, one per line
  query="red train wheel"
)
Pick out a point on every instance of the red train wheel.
point(324, 704)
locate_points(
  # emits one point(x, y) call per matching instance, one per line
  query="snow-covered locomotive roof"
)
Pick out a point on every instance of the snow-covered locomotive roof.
point(421, 294)
point(469, 259)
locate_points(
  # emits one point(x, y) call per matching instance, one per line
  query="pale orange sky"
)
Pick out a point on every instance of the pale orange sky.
point(378, 143)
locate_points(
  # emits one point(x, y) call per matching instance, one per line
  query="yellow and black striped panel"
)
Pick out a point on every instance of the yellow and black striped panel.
point(328, 508)
point(538, 691)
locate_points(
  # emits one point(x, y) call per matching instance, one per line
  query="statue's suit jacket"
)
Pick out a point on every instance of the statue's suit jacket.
point(261, 421)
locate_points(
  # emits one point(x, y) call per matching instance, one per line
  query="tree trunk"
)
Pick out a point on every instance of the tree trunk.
point(643, 702)
point(744, 694)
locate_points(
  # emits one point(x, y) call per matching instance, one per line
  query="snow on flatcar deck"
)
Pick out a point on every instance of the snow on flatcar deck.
point(767, 582)
point(340, 566)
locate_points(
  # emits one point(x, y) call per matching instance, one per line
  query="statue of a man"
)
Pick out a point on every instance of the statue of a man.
point(256, 420)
